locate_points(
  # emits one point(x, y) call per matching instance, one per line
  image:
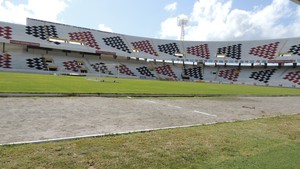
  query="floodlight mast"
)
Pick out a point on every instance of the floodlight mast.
point(182, 21)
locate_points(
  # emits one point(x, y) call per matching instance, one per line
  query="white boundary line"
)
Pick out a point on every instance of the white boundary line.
point(135, 131)
point(196, 111)
point(169, 105)
point(177, 107)
point(103, 134)
point(151, 101)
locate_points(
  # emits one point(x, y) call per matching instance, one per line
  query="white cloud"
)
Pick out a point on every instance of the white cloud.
point(217, 20)
point(169, 28)
point(103, 27)
point(38, 9)
point(171, 7)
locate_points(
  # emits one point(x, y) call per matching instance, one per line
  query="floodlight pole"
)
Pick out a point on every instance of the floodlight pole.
point(182, 22)
point(182, 33)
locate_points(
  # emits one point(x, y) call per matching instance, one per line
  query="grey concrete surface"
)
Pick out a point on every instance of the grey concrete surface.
point(25, 119)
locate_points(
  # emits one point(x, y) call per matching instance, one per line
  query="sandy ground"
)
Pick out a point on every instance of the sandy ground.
point(41, 118)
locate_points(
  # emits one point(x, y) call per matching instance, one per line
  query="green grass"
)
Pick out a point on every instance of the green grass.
point(264, 143)
point(37, 83)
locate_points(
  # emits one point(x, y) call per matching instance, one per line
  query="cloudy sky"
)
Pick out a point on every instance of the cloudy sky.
point(208, 19)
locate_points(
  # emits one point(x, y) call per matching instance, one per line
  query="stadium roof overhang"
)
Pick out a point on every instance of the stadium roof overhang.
point(296, 1)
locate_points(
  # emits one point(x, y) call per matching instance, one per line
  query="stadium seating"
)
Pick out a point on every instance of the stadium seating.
point(230, 74)
point(116, 42)
point(293, 77)
point(123, 69)
point(263, 75)
point(86, 37)
point(295, 49)
point(42, 32)
point(267, 51)
point(5, 32)
point(144, 71)
point(144, 46)
point(165, 70)
point(101, 67)
point(75, 66)
point(5, 61)
point(194, 72)
point(42, 46)
point(169, 48)
point(37, 63)
point(199, 51)
point(233, 51)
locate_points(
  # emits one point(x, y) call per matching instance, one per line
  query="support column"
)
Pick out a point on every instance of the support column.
point(3, 48)
point(294, 65)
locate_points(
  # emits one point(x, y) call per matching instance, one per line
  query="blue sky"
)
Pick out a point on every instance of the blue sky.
point(208, 19)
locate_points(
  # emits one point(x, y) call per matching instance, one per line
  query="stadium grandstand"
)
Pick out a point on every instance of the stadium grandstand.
point(47, 47)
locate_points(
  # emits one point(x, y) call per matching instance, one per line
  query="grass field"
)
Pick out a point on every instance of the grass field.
point(264, 143)
point(37, 83)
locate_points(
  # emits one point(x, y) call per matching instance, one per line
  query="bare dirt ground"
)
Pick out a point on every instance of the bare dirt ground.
point(42, 118)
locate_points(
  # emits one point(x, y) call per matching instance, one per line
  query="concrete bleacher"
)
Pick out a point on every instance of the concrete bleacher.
point(37, 31)
point(43, 47)
point(270, 76)
point(231, 74)
point(19, 60)
point(293, 76)
point(5, 61)
point(144, 46)
point(201, 50)
point(267, 51)
point(232, 51)
point(5, 32)
point(37, 63)
point(145, 71)
point(165, 71)
point(192, 73)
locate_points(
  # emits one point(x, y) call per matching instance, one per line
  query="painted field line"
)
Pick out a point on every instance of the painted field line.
point(177, 107)
point(169, 105)
point(196, 111)
point(133, 131)
point(151, 101)
point(104, 134)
